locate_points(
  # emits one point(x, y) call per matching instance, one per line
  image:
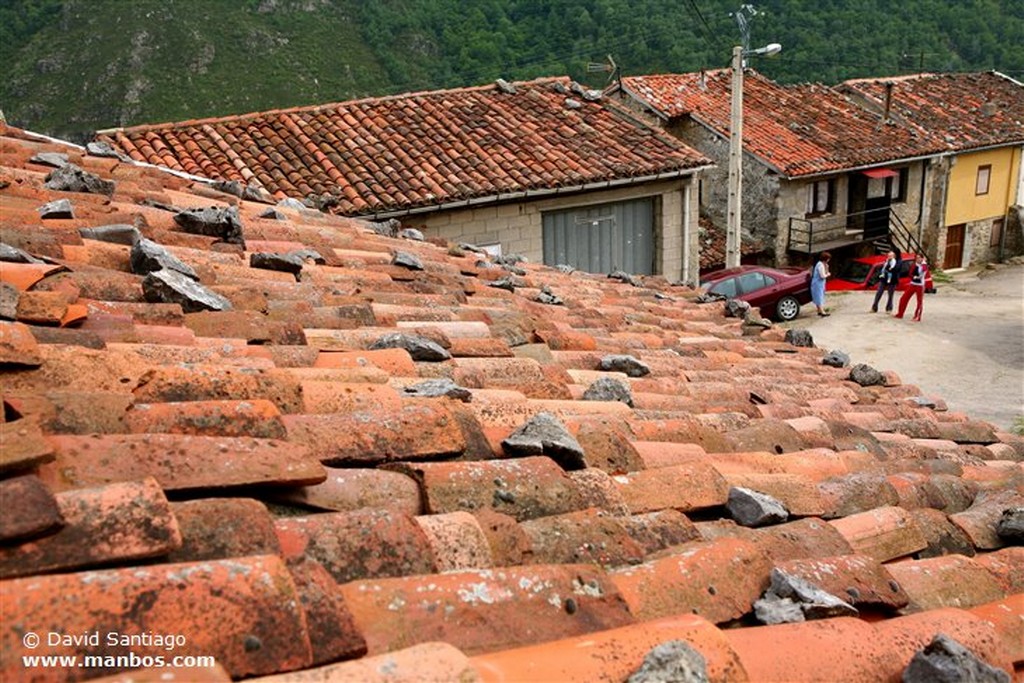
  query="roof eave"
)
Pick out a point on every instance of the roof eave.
point(537, 193)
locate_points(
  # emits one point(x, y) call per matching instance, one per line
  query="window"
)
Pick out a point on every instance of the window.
point(751, 282)
point(819, 197)
point(726, 288)
point(984, 175)
point(997, 233)
point(898, 186)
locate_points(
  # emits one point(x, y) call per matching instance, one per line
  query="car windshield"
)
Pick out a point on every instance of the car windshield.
point(854, 271)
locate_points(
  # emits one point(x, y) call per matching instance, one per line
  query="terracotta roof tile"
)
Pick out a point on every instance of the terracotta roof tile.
point(484, 611)
point(717, 580)
point(178, 462)
point(30, 509)
point(361, 544)
point(222, 528)
point(857, 579)
point(884, 533)
point(257, 418)
point(946, 581)
point(170, 674)
point(422, 663)
point(1006, 565)
point(659, 489)
point(457, 540)
point(377, 435)
point(979, 521)
point(524, 488)
point(113, 523)
point(612, 655)
point(24, 446)
point(332, 632)
point(348, 489)
point(18, 346)
point(1007, 617)
point(244, 611)
point(911, 633)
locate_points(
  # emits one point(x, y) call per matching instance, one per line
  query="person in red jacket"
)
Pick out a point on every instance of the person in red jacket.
point(918, 276)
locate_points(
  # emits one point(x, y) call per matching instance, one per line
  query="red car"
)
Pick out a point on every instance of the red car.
point(863, 272)
point(776, 292)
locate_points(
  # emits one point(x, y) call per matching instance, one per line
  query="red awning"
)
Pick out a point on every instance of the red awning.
point(880, 173)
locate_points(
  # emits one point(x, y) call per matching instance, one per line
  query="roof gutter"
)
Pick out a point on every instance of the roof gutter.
point(531, 194)
point(906, 160)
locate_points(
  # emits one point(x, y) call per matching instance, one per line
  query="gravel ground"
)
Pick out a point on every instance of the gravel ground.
point(968, 349)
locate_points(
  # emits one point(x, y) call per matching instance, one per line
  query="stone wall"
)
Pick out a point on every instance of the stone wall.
point(760, 185)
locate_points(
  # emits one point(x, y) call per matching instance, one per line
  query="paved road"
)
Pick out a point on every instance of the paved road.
point(968, 349)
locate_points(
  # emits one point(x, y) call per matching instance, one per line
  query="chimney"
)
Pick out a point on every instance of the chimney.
point(989, 109)
point(888, 101)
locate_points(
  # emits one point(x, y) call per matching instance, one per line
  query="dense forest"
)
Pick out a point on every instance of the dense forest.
point(75, 66)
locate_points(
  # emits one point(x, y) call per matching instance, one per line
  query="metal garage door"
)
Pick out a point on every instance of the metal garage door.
point(602, 238)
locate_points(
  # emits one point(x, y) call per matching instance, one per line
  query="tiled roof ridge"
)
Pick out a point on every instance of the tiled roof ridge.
point(328, 106)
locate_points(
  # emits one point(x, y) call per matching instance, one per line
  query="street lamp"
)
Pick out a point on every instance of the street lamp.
point(735, 211)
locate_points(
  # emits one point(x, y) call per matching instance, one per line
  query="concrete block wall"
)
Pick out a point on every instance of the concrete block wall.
point(518, 226)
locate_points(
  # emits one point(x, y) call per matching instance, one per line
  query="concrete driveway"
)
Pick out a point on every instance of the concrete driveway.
point(968, 349)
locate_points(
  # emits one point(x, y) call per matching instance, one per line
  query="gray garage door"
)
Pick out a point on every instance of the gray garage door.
point(602, 238)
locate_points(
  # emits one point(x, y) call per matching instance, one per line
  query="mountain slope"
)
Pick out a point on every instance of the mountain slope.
point(74, 66)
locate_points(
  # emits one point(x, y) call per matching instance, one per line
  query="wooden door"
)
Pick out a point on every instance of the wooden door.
point(954, 256)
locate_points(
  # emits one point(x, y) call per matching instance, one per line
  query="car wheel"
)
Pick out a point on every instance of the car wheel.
point(787, 309)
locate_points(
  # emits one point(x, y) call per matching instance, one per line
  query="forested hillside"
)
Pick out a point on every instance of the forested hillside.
point(74, 66)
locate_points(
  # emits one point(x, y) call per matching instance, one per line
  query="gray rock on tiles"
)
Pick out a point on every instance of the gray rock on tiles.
point(220, 222)
point(674, 660)
point(866, 376)
point(171, 287)
point(119, 233)
point(790, 599)
point(71, 178)
point(56, 210)
point(148, 257)
point(544, 434)
point(435, 388)
point(944, 660)
point(406, 260)
point(753, 508)
point(800, 337)
point(633, 367)
point(836, 359)
point(609, 389)
point(420, 348)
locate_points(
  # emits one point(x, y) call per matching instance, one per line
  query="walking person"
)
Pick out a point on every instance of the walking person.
point(918, 277)
point(888, 278)
point(819, 274)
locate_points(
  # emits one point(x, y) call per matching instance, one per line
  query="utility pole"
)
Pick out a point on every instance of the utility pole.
point(735, 207)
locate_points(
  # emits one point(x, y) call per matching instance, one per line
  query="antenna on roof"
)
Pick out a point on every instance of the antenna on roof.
point(609, 67)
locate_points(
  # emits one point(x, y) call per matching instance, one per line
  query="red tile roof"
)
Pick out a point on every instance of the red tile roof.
point(965, 110)
point(261, 482)
point(809, 129)
point(418, 151)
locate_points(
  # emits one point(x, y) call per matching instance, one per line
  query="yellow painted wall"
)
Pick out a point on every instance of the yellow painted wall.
point(962, 204)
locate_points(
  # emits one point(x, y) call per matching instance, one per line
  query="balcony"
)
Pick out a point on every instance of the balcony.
point(826, 233)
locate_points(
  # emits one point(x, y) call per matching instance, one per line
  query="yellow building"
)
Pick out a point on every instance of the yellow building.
point(982, 189)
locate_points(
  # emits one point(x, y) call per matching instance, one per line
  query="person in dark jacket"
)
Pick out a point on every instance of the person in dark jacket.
point(918, 277)
point(888, 278)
